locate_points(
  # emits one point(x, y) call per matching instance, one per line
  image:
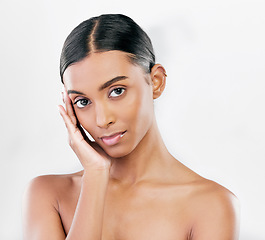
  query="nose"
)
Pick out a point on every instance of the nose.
point(104, 116)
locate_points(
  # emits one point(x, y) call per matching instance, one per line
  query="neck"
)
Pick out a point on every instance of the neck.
point(147, 161)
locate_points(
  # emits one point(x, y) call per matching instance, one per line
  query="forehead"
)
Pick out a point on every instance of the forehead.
point(100, 67)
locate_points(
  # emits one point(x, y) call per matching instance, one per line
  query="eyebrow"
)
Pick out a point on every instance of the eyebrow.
point(74, 92)
point(113, 80)
point(103, 86)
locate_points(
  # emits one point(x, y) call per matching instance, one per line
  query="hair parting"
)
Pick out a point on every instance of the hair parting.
point(108, 32)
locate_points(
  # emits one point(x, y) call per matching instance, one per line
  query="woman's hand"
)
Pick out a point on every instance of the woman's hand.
point(41, 211)
point(90, 154)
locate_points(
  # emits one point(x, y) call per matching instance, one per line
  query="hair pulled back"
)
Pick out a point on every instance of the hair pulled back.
point(105, 33)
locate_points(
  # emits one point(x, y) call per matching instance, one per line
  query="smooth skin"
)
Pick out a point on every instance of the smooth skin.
point(134, 189)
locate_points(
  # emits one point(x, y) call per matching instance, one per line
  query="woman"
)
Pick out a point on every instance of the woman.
point(131, 186)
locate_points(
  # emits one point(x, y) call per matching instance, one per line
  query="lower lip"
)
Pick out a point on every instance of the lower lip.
point(112, 140)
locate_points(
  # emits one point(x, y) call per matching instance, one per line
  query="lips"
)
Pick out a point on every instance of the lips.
point(113, 138)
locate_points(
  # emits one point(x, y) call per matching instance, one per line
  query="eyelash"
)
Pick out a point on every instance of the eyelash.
point(87, 100)
point(123, 89)
point(79, 101)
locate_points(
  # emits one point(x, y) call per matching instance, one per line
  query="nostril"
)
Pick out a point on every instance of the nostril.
point(104, 116)
point(110, 123)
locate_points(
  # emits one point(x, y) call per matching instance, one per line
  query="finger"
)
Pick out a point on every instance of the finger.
point(69, 108)
point(81, 147)
point(72, 114)
point(62, 94)
point(68, 122)
point(83, 132)
point(73, 131)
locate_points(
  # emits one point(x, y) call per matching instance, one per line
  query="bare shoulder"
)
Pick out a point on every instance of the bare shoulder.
point(53, 186)
point(41, 205)
point(202, 191)
point(206, 190)
point(215, 211)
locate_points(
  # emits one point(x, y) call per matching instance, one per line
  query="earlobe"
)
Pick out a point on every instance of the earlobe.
point(158, 77)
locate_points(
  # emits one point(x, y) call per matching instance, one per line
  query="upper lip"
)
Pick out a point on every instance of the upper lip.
point(112, 134)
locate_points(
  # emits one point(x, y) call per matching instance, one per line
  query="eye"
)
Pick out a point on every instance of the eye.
point(116, 92)
point(81, 103)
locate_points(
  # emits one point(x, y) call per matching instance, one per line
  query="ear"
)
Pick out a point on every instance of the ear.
point(158, 78)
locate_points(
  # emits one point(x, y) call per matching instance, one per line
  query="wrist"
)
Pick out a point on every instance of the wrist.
point(98, 172)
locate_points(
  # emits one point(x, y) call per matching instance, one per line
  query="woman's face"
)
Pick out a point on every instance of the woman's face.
point(112, 100)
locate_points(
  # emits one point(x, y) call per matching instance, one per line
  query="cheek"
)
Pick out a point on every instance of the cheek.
point(138, 109)
point(85, 120)
point(135, 112)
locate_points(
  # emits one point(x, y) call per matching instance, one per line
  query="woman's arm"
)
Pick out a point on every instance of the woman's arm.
point(88, 218)
point(41, 217)
point(217, 217)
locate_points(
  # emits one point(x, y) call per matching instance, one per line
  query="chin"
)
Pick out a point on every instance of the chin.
point(118, 151)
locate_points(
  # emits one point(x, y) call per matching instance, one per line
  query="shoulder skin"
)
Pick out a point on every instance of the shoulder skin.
point(215, 211)
point(41, 206)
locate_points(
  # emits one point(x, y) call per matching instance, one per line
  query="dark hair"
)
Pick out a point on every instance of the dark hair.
point(105, 33)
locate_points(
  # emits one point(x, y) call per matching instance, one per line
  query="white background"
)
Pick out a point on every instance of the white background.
point(211, 115)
